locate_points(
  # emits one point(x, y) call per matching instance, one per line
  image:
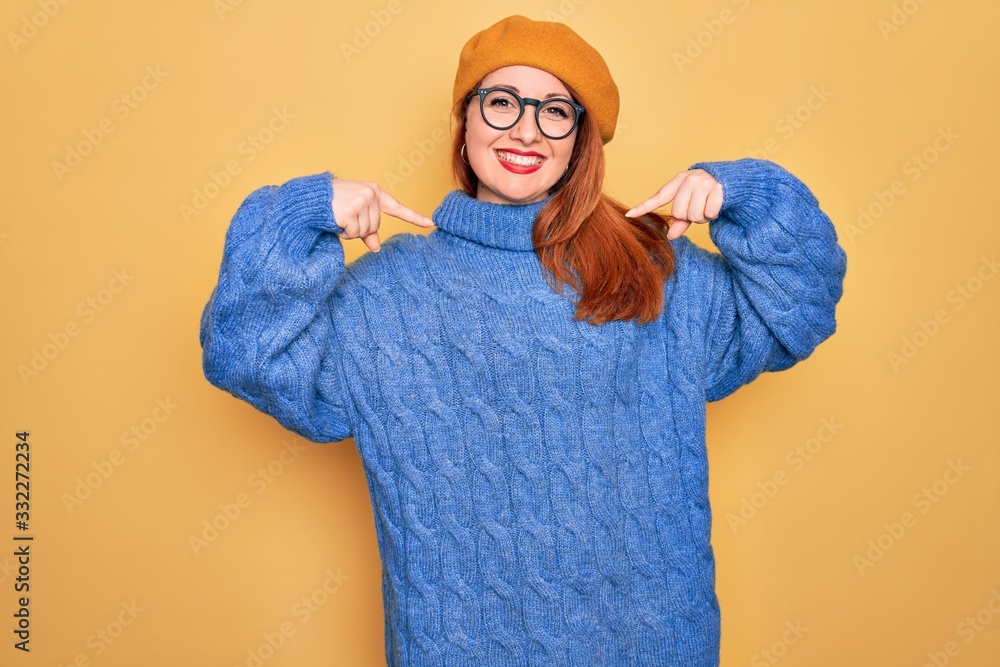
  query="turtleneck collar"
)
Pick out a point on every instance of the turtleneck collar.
point(506, 226)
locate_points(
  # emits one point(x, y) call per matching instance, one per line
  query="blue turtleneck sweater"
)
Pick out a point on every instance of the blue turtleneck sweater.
point(539, 484)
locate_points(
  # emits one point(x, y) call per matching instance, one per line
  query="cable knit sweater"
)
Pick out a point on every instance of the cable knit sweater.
point(539, 484)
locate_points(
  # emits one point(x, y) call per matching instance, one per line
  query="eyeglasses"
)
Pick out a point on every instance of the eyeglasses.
point(502, 108)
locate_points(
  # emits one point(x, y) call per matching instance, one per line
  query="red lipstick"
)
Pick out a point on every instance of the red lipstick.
point(519, 168)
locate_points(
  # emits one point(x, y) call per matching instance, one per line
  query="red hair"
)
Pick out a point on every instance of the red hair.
point(616, 265)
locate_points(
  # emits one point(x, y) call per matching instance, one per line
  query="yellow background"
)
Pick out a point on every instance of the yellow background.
point(892, 78)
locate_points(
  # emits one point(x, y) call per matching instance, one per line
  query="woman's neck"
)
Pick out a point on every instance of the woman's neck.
point(507, 226)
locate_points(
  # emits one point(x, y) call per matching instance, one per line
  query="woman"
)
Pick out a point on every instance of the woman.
point(526, 384)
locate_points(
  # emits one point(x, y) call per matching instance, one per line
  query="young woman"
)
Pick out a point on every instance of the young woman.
point(526, 384)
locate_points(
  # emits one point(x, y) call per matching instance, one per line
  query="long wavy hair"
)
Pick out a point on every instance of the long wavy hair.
point(616, 265)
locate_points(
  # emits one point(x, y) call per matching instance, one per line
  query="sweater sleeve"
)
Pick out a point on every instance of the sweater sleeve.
point(266, 331)
point(774, 288)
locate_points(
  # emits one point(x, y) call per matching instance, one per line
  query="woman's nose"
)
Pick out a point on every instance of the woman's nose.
point(526, 127)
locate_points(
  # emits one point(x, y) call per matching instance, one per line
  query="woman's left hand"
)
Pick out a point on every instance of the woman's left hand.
point(697, 197)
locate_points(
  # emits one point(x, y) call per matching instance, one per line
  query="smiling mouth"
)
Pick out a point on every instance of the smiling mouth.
point(520, 160)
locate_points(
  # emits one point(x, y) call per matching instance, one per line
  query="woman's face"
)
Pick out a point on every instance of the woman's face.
point(486, 148)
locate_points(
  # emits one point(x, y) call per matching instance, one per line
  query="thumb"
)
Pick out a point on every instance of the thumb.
point(372, 241)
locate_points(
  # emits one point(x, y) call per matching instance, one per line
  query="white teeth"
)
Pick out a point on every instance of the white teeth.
point(524, 160)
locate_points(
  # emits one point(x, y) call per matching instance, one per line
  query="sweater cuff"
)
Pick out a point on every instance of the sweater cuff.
point(309, 212)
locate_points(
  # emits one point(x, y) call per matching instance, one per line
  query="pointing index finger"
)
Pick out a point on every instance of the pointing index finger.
point(389, 205)
point(662, 197)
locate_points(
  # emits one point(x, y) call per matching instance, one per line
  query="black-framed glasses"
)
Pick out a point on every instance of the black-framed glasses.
point(502, 108)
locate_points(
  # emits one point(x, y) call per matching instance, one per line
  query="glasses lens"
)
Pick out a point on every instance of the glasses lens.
point(556, 118)
point(501, 109)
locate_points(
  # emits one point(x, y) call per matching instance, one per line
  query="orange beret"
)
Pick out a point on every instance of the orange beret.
point(549, 46)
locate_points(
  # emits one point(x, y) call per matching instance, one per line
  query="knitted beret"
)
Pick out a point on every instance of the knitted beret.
point(549, 46)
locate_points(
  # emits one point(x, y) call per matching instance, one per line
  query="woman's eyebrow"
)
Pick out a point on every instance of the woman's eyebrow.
point(514, 88)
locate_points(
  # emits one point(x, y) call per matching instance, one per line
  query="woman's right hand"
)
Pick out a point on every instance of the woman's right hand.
point(357, 209)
